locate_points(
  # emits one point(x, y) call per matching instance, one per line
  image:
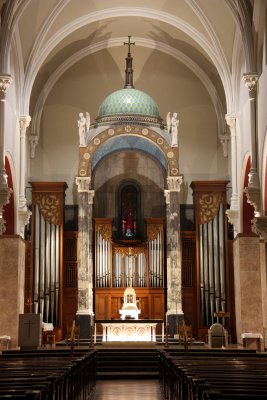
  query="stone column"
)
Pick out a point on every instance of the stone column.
point(174, 270)
point(253, 190)
point(12, 274)
point(250, 284)
point(233, 213)
point(5, 191)
point(85, 312)
point(24, 213)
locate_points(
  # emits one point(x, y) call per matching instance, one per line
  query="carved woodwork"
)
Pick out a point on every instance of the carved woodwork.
point(48, 202)
point(129, 262)
point(212, 268)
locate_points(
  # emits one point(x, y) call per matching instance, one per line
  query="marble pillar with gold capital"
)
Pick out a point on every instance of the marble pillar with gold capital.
point(174, 270)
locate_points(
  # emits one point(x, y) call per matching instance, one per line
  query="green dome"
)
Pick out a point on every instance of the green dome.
point(128, 101)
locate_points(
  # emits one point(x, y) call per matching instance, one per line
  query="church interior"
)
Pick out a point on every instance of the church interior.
point(133, 170)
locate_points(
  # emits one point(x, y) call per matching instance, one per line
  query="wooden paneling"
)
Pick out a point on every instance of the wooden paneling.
point(108, 302)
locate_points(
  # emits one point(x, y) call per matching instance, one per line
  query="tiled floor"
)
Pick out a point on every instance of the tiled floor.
point(128, 389)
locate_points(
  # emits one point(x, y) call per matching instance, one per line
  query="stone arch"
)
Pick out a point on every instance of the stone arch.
point(170, 154)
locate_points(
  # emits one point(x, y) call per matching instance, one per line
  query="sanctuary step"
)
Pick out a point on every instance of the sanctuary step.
point(127, 363)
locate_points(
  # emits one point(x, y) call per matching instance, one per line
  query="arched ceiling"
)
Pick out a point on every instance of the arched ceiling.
point(53, 35)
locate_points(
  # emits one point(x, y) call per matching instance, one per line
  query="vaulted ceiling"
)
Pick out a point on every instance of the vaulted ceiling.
point(201, 34)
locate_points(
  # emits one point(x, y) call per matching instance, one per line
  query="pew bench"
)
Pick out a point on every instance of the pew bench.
point(200, 377)
point(47, 375)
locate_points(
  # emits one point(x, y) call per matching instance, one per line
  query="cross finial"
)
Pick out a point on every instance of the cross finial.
point(129, 69)
point(129, 44)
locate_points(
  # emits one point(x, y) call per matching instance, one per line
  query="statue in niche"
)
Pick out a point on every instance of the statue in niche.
point(128, 211)
point(128, 224)
point(172, 127)
point(81, 125)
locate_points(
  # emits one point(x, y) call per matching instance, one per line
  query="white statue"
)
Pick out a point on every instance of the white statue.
point(81, 126)
point(172, 127)
point(88, 120)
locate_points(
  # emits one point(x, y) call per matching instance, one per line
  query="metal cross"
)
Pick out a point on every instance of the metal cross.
point(129, 44)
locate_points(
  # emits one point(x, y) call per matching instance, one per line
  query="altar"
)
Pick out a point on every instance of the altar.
point(130, 330)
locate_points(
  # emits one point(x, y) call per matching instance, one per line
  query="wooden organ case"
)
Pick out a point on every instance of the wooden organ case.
point(129, 263)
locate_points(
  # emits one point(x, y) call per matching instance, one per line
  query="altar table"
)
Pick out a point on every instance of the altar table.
point(130, 330)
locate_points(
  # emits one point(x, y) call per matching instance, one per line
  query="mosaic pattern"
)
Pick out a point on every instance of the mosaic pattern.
point(128, 101)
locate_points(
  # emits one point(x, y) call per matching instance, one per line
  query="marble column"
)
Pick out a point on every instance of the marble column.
point(233, 213)
point(5, 191)
point(85, 312)
point(174, 269)
point(24, 213)
point(253, 190)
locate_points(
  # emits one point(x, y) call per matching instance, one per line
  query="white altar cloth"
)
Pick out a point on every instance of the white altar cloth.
point(129, 332)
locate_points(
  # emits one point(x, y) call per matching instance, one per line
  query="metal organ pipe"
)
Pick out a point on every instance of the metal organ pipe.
point(47, 270)
point(222, 258)
point(42, 266)
point(53, 270)
point(36, 258)
point(57, 274)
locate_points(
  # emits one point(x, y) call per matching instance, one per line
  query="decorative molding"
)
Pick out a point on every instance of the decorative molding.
point(224, 139)
point(167, 196)
point(259, 226)
point(105, 231)
point(233, 216)
point(24, 219)
point(253, 179)
point(5, 82)
point(174, 183)
point(129, 251)
point(33, 140)
point(254, 198)
point(91, 194)
point(24, 122)
point(50, 207)
point(83, 183)
point(231, 122)
point(155, 138)
point(250, 80)
point(153, 231)
point(209, 204)
point(5, 193)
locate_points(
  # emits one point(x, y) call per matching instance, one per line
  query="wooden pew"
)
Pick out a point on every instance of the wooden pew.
point(47, 374)
point(217, 374)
